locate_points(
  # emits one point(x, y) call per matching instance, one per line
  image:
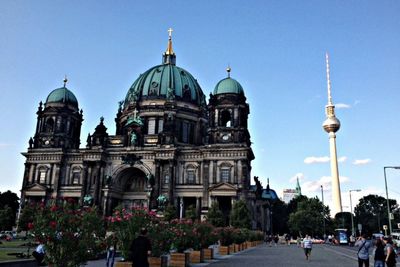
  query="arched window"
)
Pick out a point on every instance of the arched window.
point(76, 175)
point(42, 175)
point(49, 126)
point(226, 119)
point(190, 174)
point(225, 173)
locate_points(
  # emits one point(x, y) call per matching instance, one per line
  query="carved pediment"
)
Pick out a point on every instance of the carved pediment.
point(223, 189)
point(36, 187)
point(35, 190)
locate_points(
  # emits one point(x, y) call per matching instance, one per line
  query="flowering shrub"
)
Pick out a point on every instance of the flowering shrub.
point(239, 236)
point(184, 234)
point(71, 235)
point(126, 223)
point(161, 237)
point(226, 235)
point(206, 235)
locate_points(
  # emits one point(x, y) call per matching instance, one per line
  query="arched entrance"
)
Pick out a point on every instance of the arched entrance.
point(131, 188)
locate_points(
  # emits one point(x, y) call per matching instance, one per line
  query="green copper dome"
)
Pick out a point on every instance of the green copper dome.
point(166, 81)
point(62, 95)
point(228, 86)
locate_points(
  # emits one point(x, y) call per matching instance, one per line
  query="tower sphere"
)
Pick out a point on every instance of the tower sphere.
point(331, 124)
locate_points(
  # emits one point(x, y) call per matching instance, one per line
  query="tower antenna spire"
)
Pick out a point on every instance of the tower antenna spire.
point(328, 79)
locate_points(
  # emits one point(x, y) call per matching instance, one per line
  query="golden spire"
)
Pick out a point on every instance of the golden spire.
point(169, 51)
point(65, 80)
point(228, 70)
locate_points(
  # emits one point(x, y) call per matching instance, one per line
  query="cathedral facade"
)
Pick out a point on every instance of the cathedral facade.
point(170, 146)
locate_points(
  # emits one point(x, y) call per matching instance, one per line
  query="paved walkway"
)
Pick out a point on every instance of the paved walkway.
point(281, 256)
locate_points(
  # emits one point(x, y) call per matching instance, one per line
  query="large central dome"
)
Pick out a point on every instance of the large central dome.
point(166, 81)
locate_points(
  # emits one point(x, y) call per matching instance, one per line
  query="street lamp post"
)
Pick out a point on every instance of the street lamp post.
point(323, 209)
point(351, 210)
point(387, 195)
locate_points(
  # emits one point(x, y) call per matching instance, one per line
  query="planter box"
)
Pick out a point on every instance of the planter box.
point(232, 248)
point(123, 264)
point(237, 247)
point(208, 253)
point(196, 256)
point(180, 259)
point(154, 261)
point(223, 250)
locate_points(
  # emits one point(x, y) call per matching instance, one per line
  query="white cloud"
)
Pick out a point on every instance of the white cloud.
point(4, 145)
point(361, 161)
point(297, 175)
point(325, 181)
point(342, 105)
point(311, 160)
point(342, 159)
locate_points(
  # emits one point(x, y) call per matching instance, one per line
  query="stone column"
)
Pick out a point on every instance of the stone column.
point(171, 182)
point(96, 183)
point(57, 168)
point(32, 173)
point(84, 182)
point(206, 177)
point(198, 206)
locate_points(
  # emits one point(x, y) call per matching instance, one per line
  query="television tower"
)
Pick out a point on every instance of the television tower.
point(331, 126)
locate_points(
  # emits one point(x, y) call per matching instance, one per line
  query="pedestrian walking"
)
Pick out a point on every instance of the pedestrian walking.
point(307, 245)
point(111, 249)
point(287, 239)
point(390, 255)
point(276, 240)
point(363, 250)
point(379, 255)
point(141, 249)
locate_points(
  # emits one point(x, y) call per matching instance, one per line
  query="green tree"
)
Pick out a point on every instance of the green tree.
point(215, 215)
point(9, 200)
point(191, 213)
point(308, 217)
point(7, 218)
point(240, 215)
point(27, 216)
point(170, 213)
point(280, 217)
point(371, 212)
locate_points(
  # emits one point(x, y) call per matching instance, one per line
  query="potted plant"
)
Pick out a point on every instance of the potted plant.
point(225, 238)
point(126, 224)
point(207, 236)
point(161, 241)
point(71, 234)
point(183, 239)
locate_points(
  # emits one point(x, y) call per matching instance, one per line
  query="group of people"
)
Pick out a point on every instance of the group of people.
point(385, 252)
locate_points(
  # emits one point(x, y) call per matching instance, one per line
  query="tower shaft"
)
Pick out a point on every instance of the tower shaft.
point(336, 196)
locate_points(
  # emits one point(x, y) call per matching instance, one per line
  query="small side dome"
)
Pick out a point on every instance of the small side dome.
point(62, 95)
point(228, 86)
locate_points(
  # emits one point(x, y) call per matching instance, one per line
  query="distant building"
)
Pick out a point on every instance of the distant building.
point(289, 194)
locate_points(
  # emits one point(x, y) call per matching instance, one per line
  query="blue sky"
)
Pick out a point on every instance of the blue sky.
point(276, 50)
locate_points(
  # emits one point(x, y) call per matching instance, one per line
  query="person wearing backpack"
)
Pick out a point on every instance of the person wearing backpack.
point(363, 250)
